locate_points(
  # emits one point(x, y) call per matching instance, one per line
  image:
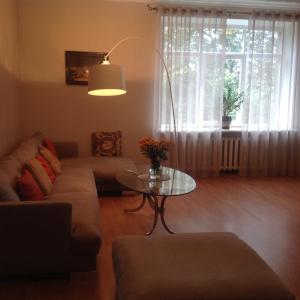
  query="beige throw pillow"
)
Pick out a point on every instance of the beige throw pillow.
point(40, 175)
point(51, 159)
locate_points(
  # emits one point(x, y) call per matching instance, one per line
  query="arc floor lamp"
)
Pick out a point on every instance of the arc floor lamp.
point(107, 79)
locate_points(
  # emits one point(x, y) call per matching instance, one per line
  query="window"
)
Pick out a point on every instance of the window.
point(201, 52)
point(191, 46)
point(235, 58)
point(242, 52)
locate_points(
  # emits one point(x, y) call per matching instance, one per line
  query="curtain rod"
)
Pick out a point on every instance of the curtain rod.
point(230, 12)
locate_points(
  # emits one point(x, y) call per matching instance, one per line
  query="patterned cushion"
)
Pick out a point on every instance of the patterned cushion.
point(40, 175)
point(51, 159)
point(106, 143)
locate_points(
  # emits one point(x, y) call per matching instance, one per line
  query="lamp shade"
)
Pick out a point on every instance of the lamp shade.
point(106, 80)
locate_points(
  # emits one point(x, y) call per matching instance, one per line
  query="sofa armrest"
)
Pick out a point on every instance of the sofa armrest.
point(33, 235)
point(66, 149)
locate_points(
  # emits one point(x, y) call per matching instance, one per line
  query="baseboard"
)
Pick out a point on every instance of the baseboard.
point(34, 277)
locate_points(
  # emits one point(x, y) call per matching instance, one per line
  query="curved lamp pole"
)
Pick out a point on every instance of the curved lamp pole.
point(106, 79)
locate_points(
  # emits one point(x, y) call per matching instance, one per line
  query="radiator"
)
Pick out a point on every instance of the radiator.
point(230, 153)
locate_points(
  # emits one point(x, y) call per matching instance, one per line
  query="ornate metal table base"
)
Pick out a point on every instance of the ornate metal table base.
point(158, 207)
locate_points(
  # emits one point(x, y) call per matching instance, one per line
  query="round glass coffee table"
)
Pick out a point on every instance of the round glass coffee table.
point(156, 192)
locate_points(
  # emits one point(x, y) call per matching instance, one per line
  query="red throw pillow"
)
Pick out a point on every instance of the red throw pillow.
point(50, 146)
point(47, 167)
point(28, 189)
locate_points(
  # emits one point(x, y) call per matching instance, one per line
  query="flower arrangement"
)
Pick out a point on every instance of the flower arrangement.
point(155, 150)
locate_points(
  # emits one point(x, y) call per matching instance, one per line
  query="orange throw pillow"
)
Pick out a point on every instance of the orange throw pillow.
point(47, 167)
point(50, 146)
point(28, 189)
point(51, 159)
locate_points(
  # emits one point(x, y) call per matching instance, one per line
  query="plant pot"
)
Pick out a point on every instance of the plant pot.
point(226, 121)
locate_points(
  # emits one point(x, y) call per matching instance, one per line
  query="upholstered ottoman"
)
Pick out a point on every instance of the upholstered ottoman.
point(207, 266)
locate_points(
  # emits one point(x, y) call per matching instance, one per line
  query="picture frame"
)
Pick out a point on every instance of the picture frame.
point(77, 65)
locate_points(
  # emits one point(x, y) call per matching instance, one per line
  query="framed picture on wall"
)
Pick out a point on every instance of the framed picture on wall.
point(77, 65)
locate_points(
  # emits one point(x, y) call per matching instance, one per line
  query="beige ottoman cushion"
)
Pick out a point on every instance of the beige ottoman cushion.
point(196, 266)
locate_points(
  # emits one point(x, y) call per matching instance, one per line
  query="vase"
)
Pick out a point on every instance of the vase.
point(155, 170)
point(226, 121)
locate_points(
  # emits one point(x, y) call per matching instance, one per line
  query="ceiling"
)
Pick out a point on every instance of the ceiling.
point(271, 4)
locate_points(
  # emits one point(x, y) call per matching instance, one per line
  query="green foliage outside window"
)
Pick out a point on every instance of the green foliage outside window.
point(232, 99)
point(243, 51)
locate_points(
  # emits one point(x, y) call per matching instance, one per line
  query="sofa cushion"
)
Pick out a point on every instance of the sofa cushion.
point(47, 167)
point(28, 188)
point(40, 175)
point(86, 234)
point(51, 159)
point(105, 168)
point(7, 193)
point(67, 149)
point(33, 143)
point(107, 143)
point(28, 149)
point(75, 180)
point(50, 146)
point(11, 167)
point(23, 154)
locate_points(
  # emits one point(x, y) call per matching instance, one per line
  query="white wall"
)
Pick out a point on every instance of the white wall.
point(63, 112)
point(9, 93)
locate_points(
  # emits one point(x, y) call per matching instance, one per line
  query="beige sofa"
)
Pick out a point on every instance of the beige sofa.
point(104, 168)
point(57, 235)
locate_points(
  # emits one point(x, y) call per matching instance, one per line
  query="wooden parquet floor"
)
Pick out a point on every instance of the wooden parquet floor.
point(264, 212)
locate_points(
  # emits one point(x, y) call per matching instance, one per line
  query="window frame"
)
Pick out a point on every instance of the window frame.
point(242, 56)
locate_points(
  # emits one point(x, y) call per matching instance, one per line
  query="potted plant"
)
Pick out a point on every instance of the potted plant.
point(232, 101)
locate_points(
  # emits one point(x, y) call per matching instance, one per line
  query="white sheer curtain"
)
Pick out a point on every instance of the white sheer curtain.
point(193, 46)
point(270, 113)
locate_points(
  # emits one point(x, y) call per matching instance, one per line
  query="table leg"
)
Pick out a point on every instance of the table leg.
point(162, 215)
point(154, 199)
point(137, 208)
point(159, 209)
point(151, 201)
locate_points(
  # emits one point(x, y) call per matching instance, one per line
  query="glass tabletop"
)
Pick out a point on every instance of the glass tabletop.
point(178, 183)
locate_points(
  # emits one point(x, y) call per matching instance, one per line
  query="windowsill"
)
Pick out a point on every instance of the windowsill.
point(232, 129)
point(232, 132)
